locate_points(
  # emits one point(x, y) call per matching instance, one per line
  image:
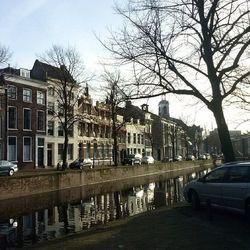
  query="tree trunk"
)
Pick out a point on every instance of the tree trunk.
point(115, 145)
point(65, 150)
point(223, 132)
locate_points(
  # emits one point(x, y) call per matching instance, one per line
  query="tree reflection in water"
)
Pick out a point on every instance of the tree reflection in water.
point(84, 211)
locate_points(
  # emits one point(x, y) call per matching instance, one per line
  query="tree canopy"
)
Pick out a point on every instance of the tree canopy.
point(196, 48)
point(4, 54)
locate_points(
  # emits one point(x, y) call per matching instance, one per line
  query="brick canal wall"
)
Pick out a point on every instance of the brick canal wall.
point(36, 183)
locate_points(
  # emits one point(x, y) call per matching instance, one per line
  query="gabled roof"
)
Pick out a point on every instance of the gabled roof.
point(43, 71)
point(10, 70)
point(131, 111)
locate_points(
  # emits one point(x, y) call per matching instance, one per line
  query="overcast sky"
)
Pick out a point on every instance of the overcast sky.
point(29, 27)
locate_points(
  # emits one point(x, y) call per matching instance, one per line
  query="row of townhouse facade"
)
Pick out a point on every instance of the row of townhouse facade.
point(31, 135)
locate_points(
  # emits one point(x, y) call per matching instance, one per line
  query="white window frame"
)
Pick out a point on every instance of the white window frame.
point(8, 149)
point(60, 147)
point(51, 108)
point(40, 97)
point(30, 153)
point(25, 73)
point(12, 86)
point(44, 120)
point(51, 91)
point(27, 97)
point(70, 155)
point(53, 123)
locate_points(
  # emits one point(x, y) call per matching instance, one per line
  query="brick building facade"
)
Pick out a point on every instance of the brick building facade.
point(23, 118)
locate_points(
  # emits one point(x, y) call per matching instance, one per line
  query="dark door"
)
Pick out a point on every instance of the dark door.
point(40, 157)
point(49, 157)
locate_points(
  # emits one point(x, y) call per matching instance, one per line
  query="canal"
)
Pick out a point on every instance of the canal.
point(29, 220)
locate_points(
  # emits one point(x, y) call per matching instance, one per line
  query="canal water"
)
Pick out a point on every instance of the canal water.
point(30, 220)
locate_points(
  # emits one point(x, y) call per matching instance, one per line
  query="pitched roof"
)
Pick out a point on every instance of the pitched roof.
point(43, 71)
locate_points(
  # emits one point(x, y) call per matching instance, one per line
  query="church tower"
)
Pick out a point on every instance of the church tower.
point(163, 108)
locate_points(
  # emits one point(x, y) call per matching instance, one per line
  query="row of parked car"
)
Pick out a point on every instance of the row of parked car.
point(128, 160)
point(9, 168)
point(190, 157)
point(137, 159)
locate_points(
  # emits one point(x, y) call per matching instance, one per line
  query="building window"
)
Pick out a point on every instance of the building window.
point(107, 150)
point(70, 131)
point(40, 97)
point(88, 150)
point(51, 91)
point(95, 153)
point(27, 149)
point(50, 128)
point(142, 139)
point(138, 138)
point(12, 121)
point(12, 148)
point(40, 120)
point(134, 141)
point(102, 151)
point(60, 130)
point(60, 109)
point(27, 95)
point(129, 139)
point(70, 151)
point(60, 151)
point(12, 93)
point(51, 108)
point(25, 73)
point(26, 119)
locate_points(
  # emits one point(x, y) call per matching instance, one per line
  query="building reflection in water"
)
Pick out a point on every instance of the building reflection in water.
point(68, 218)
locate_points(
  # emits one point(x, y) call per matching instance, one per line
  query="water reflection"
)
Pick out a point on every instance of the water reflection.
point(80, 214)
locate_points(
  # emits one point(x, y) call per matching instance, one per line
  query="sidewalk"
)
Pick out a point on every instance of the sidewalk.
point(167, 228)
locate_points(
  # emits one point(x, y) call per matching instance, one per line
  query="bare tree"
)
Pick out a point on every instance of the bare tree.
point(65, 72)
point(4, 54)
point(115, 97)
point(196, 48)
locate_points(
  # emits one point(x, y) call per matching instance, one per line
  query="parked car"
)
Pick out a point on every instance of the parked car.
point(202, 157)
point(190, 158)
point(227, 186)
point(148, 160)
point(131, 160)
point(81, 163)
point(178, 158)
point(8, 167)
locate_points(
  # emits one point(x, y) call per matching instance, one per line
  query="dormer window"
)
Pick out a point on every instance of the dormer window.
point(25, 73)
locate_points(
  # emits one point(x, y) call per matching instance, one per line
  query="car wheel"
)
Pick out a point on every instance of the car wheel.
point(195, 200)
point(81, 167)
point(11, 172)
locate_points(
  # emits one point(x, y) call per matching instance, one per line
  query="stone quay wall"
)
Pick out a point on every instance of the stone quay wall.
point(37, 182)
